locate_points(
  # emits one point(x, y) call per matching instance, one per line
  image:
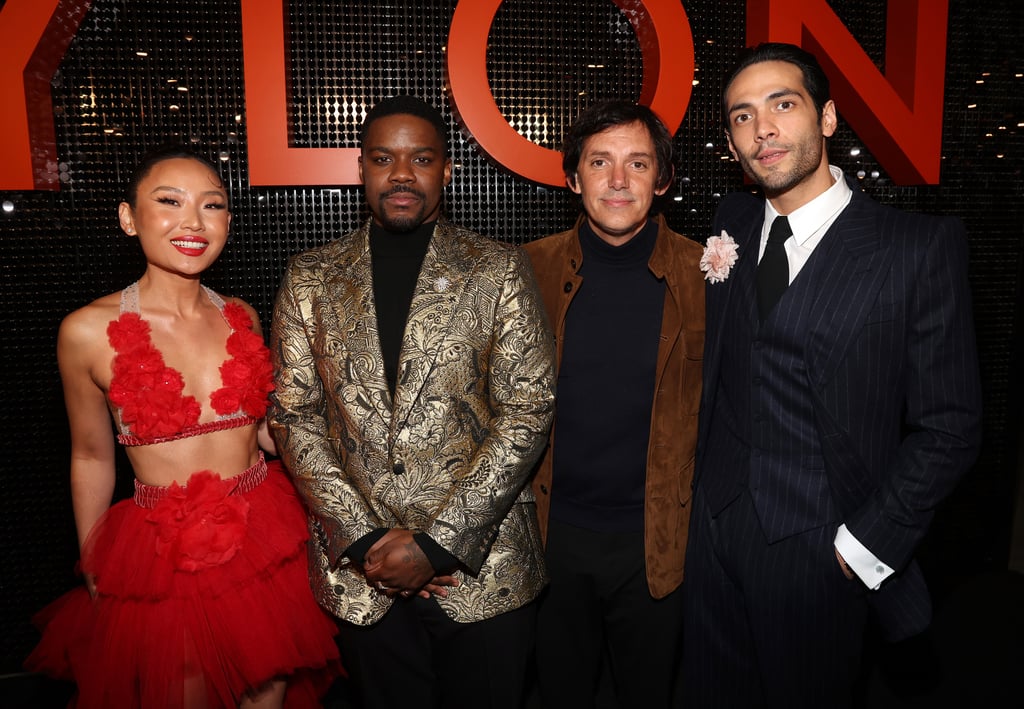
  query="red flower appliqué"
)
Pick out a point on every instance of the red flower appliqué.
point(147, 392)
point(247, 377)
point(200, 525)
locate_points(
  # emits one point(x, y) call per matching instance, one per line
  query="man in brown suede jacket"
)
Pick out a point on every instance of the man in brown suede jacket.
point(625, 296)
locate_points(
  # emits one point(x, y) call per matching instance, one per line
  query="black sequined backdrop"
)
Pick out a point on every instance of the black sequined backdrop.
point(62, 249)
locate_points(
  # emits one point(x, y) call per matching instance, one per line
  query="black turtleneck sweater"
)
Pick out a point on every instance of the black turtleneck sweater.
point(606, 382)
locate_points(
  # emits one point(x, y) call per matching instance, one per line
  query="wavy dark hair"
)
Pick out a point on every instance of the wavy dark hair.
point(815, 80)
point(608, 114)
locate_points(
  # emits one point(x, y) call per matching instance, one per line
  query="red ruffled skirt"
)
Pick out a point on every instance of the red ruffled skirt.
point(203, 595)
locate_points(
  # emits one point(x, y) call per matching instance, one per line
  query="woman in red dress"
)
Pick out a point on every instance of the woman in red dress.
point(196, 591)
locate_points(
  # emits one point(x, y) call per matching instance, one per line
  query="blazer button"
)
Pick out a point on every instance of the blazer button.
point(399, 469)
point(568, 287)
point(544, 489)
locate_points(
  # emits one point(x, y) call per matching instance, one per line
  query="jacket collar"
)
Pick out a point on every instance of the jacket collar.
point(661, 259)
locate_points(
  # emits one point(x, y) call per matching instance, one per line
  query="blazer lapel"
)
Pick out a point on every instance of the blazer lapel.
point(442, 281)
point(853, 268)
point(741, 217)
point(351, 298)
point(744, 225)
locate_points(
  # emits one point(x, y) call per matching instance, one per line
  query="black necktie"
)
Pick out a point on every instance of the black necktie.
point(773, 270)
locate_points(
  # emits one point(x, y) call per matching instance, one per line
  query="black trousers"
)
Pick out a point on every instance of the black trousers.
point(598, 612)
point(767, 625)
point(416, 656)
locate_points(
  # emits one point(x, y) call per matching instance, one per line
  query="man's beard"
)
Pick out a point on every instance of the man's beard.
point(405, 221)
point(805, 161)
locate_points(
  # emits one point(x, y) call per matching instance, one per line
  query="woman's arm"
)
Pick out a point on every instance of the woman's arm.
point(263, 438)
point(81, 346)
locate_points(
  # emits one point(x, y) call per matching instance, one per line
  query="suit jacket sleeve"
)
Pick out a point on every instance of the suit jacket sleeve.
point(942, 402)
point(299, 421)
point(520, 382)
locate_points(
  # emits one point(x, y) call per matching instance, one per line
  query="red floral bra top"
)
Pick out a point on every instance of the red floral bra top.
point(148, 393)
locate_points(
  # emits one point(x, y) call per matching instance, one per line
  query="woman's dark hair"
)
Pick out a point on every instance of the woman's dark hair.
point(154, 157)
point(602, 116)
point(815, 80)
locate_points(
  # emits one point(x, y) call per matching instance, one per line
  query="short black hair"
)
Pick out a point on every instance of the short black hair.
point(157, 155)
point(815, 79)
point(608, 114)
point(410, 106)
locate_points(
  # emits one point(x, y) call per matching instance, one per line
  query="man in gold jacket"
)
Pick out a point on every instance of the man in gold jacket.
point(414, 393)
point(625, 295)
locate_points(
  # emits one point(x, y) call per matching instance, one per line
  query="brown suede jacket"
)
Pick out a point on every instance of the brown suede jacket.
point(556, 261)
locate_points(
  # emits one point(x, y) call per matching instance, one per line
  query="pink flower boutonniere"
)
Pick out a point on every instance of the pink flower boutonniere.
point(719, 256)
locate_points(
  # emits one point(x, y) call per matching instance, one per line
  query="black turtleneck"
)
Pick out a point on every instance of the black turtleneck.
point(396, 258)
point(606, 382)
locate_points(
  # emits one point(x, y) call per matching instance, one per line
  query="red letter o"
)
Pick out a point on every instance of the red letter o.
point(667, 81)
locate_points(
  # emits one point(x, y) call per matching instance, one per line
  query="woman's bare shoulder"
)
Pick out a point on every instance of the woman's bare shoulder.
point(82, 325)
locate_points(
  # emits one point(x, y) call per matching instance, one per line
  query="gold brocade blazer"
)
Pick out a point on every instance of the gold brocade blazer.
point(451, 453)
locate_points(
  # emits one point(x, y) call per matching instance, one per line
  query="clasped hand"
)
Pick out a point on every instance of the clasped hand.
point(396, 565)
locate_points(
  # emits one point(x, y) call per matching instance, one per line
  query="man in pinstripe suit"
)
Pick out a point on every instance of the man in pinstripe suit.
point(841, 404)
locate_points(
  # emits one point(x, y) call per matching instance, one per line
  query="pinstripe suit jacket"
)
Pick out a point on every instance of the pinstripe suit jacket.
point(450, 452)
point(892, 373)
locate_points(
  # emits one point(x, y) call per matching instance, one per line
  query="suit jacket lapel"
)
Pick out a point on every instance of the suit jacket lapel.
point(351, 295)
point(442, 281)
point(744, 225)
point(853, 267)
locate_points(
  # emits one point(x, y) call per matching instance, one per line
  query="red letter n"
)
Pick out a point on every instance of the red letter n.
point(898, 115)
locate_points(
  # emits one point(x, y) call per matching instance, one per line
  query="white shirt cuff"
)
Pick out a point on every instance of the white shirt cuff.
point(868, 567)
